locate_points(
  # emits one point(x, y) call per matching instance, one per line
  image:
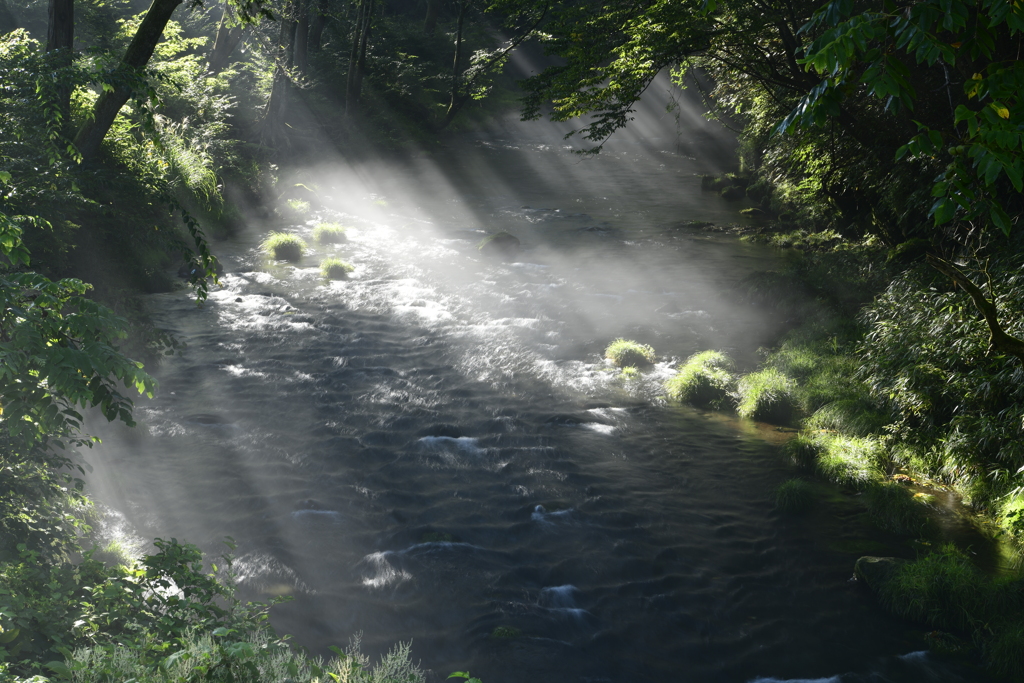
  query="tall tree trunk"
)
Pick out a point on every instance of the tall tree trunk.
point(60, 38)
point(458, 57)
point(227, 40)
point(91, 134)
point(433, 11)
point(357, 58)
point(317, 24)
point(300, 47)
point(277, 105)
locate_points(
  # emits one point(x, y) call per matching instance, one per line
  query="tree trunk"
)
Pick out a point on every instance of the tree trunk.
point(433, 11)
point(60, 38)
point(999, 340)
point(300, 47)
point(455, 62)
point(91, 134)
point(227, 40)
point(277, 105)
point(357, 58)
point(317, 24)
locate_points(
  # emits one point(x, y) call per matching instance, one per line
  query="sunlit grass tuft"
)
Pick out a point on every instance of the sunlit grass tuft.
point(335, 269)
point(623, 352)
point(705, 379)
point(766, 395)
point(283, 246)
point(329, 233)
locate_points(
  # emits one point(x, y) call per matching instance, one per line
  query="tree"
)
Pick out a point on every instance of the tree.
point(972, 51)
point(128, 78)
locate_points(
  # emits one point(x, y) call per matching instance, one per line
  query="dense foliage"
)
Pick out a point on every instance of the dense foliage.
point(886, 141)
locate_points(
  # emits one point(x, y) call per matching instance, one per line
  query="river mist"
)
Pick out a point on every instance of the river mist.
point(435, 450)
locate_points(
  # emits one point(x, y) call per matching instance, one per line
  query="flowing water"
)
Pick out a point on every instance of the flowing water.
point(436, 449)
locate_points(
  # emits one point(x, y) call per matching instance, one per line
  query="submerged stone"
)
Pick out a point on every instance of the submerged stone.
point(500, 244)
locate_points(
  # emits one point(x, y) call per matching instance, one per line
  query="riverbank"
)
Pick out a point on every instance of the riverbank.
point(906, 409)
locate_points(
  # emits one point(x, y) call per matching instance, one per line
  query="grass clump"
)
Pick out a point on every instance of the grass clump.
point(794, 496)
point(767, 396)
point(894, 508)
point(705, 379)
point(283, 246)
point(329, 233)
point(623, 352)
point(849, 461)
point(298, 207)
point(335, 269)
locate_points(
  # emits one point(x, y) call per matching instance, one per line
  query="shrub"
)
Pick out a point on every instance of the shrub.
point(230, 655)
point(703, 380)
point(283, 246)
point(766, 395)
point(794, 496)
point(623, 352)
point(329, 233)
point(335, 269)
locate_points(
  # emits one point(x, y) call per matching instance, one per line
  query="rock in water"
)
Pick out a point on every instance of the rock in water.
point(876, 571)
point(500, 244)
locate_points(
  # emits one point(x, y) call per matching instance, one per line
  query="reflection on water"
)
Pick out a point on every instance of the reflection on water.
point(436, 450)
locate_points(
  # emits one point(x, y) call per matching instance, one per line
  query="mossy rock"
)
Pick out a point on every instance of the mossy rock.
point(753, 212)
point(876, 572)
point(625, 353)
point(502, 244)
point(733, 193)
point(506, 633)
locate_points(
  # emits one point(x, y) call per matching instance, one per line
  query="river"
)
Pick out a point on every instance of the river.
point(436, 451)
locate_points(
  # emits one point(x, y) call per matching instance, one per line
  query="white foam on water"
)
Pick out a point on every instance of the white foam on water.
point(558, 596)
point(541, 515)
point(600, 428)
point(384, 574)
point(463, 444)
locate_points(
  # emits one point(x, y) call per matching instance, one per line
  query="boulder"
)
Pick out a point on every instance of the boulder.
point(501, 244)
point(876, 571)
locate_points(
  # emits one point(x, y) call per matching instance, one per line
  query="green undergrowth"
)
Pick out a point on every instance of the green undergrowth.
point(945, 591)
